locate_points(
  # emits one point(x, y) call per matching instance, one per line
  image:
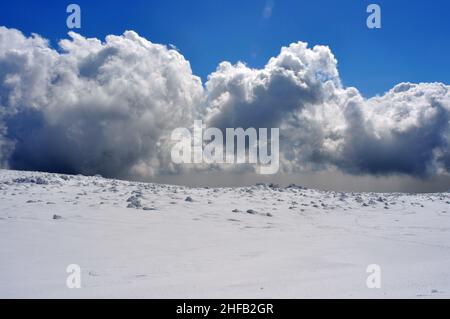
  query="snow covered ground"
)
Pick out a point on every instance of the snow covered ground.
point(138, 240)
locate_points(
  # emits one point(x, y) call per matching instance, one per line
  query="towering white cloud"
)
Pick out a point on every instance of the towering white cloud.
point(326, 126)
point(298, 91)
point(109, 107)
point(407, 130)
point(95, 107)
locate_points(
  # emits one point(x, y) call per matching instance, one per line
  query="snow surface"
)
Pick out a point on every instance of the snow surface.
point(140, 240)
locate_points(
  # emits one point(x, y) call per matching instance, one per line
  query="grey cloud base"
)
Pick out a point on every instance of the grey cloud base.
point(109, 107)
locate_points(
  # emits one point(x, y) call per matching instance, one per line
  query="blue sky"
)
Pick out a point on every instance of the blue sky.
point(413, 44)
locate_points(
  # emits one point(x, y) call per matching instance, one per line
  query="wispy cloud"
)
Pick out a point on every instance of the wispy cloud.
point(268, 9)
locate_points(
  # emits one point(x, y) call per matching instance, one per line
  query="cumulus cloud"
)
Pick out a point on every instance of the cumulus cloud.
point(326, 126)
point(298, 91)
point(92, 107)
point(406, 131)
point(109, 108)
